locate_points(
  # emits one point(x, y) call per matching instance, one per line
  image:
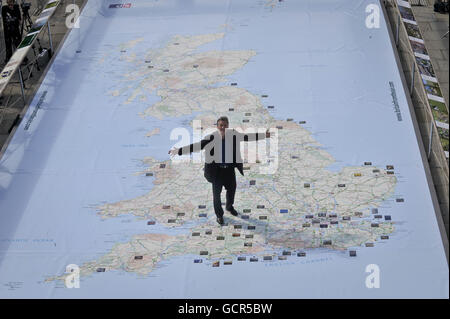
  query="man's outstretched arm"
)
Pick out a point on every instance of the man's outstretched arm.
point(195, 147)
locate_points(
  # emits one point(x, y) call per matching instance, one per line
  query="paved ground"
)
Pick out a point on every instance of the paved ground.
point(11, 103)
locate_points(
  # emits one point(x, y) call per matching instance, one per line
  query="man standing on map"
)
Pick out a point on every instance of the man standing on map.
point(222, 156)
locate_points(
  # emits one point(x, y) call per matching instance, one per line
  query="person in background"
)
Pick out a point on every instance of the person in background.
point(12, 19)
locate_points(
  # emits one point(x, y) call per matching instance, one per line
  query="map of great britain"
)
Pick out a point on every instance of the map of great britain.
point(302, 205)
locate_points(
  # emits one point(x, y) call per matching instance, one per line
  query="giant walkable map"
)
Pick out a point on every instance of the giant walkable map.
point(336, 205)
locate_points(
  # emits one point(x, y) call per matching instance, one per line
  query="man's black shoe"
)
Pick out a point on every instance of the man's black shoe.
point(233, 211)
point(220, 221)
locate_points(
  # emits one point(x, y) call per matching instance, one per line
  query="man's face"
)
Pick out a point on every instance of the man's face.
point(11, 3)
point(221, 126)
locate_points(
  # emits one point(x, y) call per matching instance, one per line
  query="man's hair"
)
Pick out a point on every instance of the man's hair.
point(223, 118)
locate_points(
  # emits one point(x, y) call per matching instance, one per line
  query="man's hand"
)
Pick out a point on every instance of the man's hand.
point(174, 151)
point(267, 133)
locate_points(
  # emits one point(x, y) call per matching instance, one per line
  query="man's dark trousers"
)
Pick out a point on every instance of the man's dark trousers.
point(226, 177)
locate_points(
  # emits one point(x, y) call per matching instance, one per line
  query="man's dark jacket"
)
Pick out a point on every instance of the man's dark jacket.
point(212, 144)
